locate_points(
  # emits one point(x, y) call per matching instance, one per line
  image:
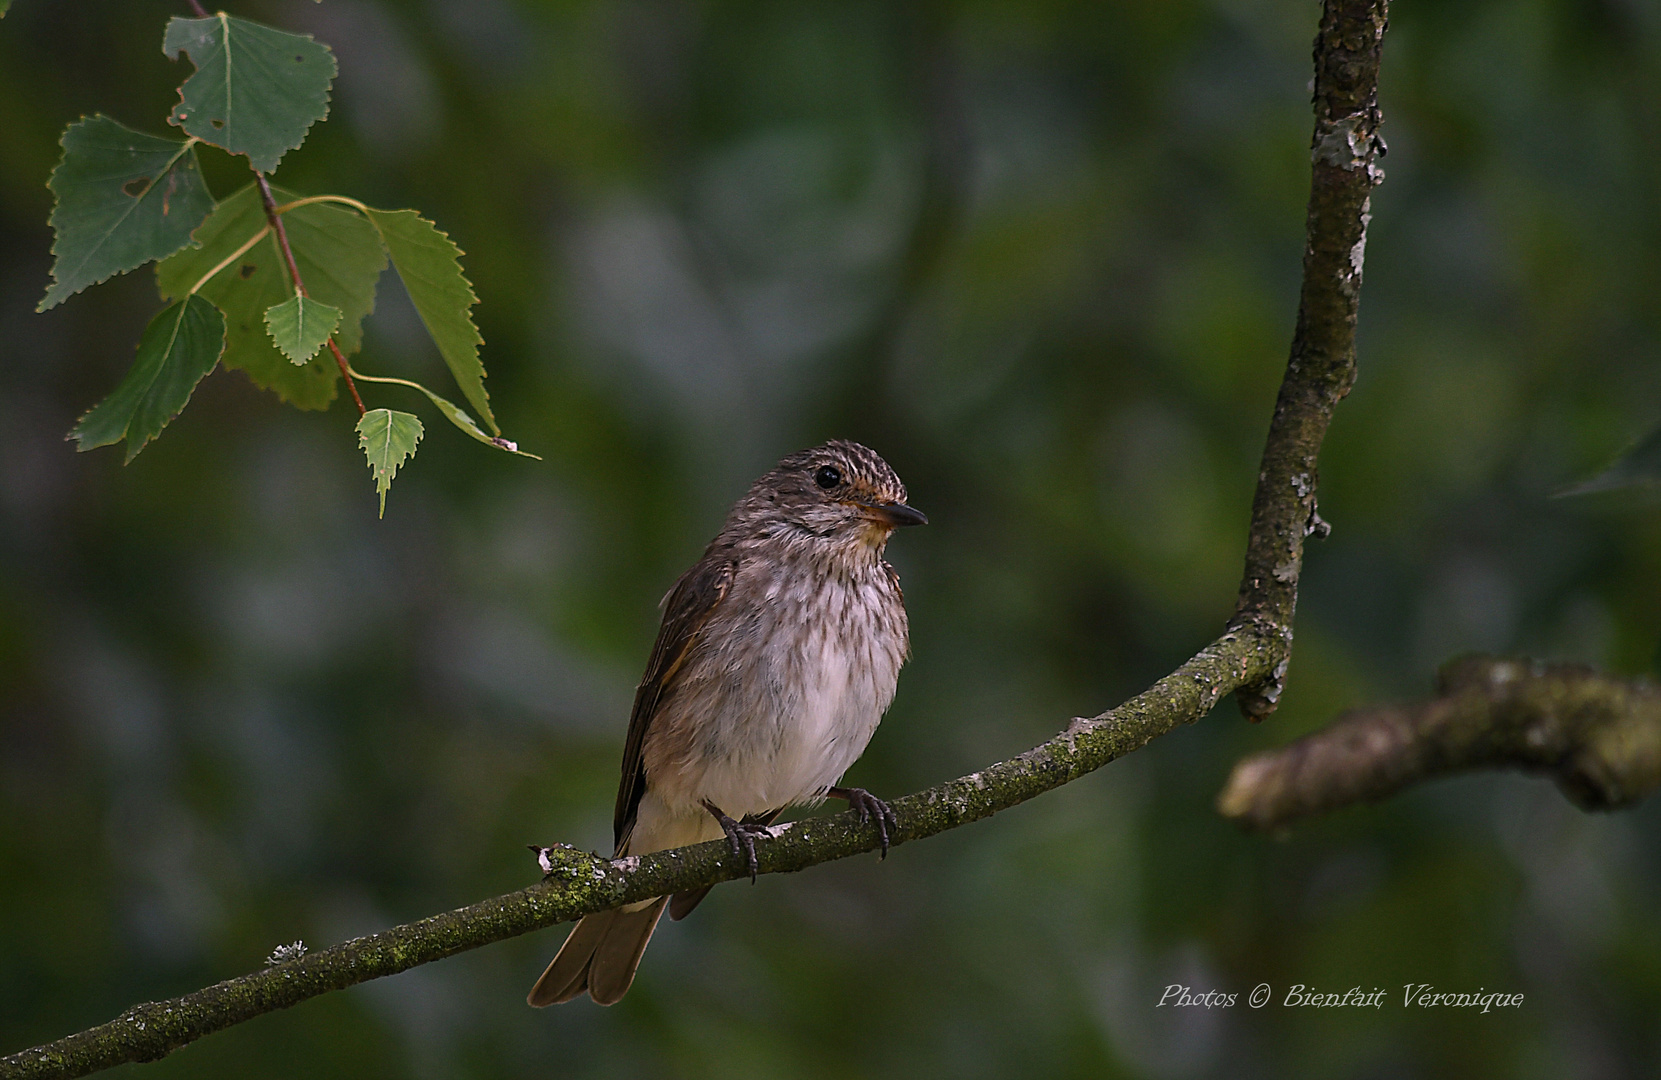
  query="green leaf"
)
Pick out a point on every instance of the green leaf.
point(256, 90)
point(1639, 467)
point(178, 348)
point(388, 438)
point(123, 198)
point(4, 4)
point(459, 417)
point(455, 414)
point(340, 259)
point(429, 263)
point(300, 325)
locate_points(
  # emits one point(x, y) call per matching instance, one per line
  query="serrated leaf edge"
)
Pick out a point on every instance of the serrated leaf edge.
point(467, 312)
point(57, 200)
point(305, 133)
point(384, 476)
point(133, 451)
point(271, 332)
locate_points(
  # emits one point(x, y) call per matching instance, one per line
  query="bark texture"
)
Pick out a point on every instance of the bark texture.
point(1344, 169)
point(1598, 737)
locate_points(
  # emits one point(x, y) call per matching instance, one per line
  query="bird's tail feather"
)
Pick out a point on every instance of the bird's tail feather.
point(682, 903)
point(599, 956)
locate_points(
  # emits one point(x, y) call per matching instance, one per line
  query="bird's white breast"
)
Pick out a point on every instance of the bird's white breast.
point(782, 695)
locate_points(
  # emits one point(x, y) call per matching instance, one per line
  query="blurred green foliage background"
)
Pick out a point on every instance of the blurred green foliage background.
point(1044, 257)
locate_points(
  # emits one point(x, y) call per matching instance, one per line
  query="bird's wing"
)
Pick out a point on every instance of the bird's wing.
point(689, 606)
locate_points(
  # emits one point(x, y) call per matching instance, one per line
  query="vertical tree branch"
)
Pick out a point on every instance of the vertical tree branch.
point(1321, 368)
point(276, 221)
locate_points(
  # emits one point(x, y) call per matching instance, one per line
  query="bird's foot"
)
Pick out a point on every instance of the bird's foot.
point(742, 835)
point(868, 806)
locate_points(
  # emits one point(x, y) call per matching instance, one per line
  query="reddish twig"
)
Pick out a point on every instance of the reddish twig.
point(345, 373)
point(201, 12)
point(276, 221)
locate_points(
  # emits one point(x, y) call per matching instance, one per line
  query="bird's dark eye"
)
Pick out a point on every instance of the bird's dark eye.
point(828, 476)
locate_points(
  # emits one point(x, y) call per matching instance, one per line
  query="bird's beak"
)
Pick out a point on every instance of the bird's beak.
point(896, 514)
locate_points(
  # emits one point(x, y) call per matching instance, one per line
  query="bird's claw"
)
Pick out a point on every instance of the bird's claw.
point(742, 835)
point(868, 806)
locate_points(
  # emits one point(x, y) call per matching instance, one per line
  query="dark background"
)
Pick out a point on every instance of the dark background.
point(1043, 257)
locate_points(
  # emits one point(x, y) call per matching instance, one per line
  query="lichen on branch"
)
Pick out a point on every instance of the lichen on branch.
point(1344, 149)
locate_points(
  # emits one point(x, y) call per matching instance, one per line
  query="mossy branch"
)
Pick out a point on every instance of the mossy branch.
point(1251, 653)
point(1598, 737)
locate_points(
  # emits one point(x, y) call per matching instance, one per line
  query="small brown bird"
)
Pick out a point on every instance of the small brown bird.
point(778, 653)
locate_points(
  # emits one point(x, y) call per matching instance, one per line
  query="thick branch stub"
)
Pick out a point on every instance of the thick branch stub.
point(1343, 152)
point(1598, 737)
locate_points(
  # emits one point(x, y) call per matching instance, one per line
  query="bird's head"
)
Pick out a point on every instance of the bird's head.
point(840, 494)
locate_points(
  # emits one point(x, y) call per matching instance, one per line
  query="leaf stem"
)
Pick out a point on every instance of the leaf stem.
point(308, 200)
point(229, 259)
point(274, 219)
point(453, 413)
point(389, 379)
